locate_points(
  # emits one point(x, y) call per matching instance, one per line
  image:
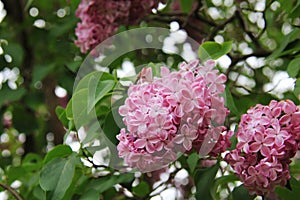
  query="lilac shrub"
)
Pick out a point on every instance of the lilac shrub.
point(100, 19)
point(173, 113)
point(268, 137)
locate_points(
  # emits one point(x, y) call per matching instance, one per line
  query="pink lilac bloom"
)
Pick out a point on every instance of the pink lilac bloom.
point(100, 19)
point(267, 138)
point(171, 114)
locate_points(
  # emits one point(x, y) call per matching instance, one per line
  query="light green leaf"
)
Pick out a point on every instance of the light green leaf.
point(32, 162)
point(97, 90)
point(57, 176)
point(192, 161)
point(213, 50)
point(97, 75)
point(58, 151)
point(294, 67)
point(220, 182)
point(62, 116)
point(79, 109)
point(229, 102)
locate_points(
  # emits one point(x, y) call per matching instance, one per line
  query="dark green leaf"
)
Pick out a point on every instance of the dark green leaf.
point(8, 95)
point(241, 192)
point(186, 5)
point(41, 71)
point(142, 189)
point(104, 183)
point(293, 35)
point(15, 173)
point(296, 11)
point(286, 194)
point(91, 194)
point(213, 50)
point(16, 52)
point(38, 193)
point(204, 179)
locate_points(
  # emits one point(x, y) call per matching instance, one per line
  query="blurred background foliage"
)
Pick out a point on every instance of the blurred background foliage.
point(39, 62)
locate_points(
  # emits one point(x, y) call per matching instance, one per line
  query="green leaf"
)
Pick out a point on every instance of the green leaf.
point(142, 189)
point(104, 183)
point(286, 194)
point(41, 71)
point(186, 5)
point(39, 193)
point(229, 102)
point(293, 35)
point(296, 11)
point(220, 182)
point(213, 50)
point(28, 4)
point(297, 88)
point(91, 194)
point(15, 173)
point(84, 83)
point(57, 176)
point(32, 162)
point(73, 67)
point(97, 90)
point(92, 133)
point(192, 161)
point(204, 179)
point(8, 95)
point(58, 151)
point(241, 192)
point(62, 116)
point(79, 109)
point(294, 67)
point(16, 51)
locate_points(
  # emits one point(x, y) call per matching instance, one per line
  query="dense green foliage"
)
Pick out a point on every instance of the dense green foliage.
point(260, 38)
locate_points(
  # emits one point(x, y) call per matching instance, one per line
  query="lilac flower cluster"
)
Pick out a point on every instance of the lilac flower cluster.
point(268, 137)
point(173, 113)
point(100, 19)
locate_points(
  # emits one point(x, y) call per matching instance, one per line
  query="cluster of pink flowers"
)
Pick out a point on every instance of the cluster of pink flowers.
point(100, 19)
point(173, 113)
point(268, 137)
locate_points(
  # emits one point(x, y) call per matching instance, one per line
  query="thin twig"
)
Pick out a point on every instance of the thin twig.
point(235, 60)
point(220, 27)
point(242, 23)
point(12, 191)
